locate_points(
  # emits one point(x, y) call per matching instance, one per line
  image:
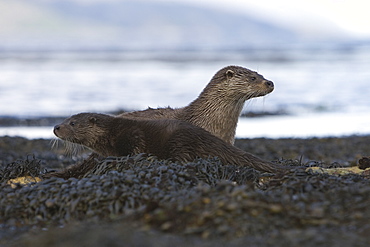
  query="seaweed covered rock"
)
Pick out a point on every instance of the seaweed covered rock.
point(114, 187)
point(202, 198)
point(141, 199)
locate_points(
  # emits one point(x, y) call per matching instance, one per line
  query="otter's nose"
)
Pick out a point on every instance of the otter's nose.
point(56, 128)
point(269, 83)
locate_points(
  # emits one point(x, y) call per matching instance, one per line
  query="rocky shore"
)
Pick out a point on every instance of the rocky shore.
point(142, 201)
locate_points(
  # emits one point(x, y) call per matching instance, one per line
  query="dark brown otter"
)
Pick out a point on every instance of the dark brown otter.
point(167, 139)
point(218, 107)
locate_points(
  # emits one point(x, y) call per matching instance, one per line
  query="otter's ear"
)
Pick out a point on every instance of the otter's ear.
point(229, 74)
point(93, 120)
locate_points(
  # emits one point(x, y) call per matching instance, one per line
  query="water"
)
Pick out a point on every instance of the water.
point(325, 92)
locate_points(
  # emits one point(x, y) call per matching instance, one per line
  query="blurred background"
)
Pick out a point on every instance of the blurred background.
point(61, 57)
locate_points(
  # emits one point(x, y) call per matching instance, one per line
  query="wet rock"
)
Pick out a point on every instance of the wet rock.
point(140, 199)
point(364, 163)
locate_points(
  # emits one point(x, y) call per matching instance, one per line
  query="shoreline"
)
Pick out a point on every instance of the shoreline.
point(344, 151)
point(310, 125)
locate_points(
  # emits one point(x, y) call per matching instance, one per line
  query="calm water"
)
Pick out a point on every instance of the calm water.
point(326, 92)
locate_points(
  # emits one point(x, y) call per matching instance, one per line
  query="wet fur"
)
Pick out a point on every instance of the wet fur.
point(218, 107)
point(166, 139)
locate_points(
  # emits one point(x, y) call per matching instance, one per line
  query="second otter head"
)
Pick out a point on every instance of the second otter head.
point(241, 83)
point(82, 128)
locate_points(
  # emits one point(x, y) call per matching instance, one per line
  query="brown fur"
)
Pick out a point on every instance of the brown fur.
point(167, 139)
point(218, 107)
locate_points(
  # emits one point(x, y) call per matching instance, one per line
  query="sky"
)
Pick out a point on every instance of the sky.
point(351, 16)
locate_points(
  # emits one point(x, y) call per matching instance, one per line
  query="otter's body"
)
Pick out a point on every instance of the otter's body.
point(218, 107)
point(166, 139)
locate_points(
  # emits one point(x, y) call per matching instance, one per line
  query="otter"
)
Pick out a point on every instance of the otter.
point(219, 105)
point(166, 139)
point(217, 108)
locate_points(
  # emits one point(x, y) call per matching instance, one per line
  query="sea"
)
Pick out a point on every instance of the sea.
point(319, 91)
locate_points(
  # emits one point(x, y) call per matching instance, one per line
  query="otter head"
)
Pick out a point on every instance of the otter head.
point(242, 84)
point(82, 128)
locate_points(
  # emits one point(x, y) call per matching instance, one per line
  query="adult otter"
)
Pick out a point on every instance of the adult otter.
point(216, 109)
point(166, 139)
point(219, 105)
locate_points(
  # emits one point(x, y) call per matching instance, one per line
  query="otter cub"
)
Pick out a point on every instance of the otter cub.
point(166, 139)
point(218, 107)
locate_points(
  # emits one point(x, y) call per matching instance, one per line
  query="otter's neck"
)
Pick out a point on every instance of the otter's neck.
point(215, 112)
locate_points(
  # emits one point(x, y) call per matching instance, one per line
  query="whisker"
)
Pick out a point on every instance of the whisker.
point(54, 143)
point(73, 149)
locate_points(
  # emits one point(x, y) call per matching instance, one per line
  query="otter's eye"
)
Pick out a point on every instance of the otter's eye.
point(253, 78)
point(72, 123)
